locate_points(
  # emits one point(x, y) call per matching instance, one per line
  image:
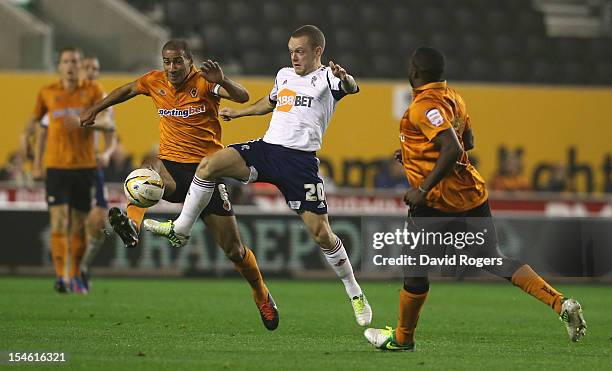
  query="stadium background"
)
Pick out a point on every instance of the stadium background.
point(536, 76)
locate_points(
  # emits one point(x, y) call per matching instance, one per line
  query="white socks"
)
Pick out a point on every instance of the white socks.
point(339, 261)
point(198, 197)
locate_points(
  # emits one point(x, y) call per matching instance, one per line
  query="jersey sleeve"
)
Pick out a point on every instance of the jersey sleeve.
point(143, 85)
point(430, 117)
point(211, 88)
point(273, 96)
point(335, 85)
point(40, 108)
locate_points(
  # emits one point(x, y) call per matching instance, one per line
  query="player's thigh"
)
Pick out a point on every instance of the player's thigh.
point(57, 187)
point(224, 163)
point(296, 174)
point(58, 215)
point(479, 222)
point(266, 159)
point(96, 221)
point(319, 228)
point(157, 165)
point(224, 231)
point(80, 184)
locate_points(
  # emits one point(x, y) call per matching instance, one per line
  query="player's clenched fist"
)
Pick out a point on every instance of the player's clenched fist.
point(227, 113)
point(88, 117)
point(414, 197)
point(72, 122)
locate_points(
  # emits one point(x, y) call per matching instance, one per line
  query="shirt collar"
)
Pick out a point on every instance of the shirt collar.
point(79, 85)
point(431, 85)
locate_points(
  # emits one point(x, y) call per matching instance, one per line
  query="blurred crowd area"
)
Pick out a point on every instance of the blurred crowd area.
point(543, 41)
point(388, 174)
point(502, 40)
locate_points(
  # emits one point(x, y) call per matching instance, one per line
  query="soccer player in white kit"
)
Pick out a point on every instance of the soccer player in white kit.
point(302, 100)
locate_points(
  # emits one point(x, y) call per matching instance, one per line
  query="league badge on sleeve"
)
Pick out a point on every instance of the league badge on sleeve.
point(435, 117)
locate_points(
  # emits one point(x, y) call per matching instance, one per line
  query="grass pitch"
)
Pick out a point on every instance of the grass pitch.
point(129, 324)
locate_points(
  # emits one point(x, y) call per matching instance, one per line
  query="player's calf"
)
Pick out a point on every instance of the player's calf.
point(246, 265)
point(338, 260)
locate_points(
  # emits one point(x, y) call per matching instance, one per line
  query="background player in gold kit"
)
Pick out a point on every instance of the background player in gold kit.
point(69, 159)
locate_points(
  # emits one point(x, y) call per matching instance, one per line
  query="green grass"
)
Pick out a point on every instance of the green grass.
point(213, 324)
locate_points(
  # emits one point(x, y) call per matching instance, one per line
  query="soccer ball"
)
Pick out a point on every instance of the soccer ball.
point(143, 187)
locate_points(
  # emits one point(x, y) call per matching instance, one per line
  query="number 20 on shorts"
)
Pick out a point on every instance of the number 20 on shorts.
point(314, 192)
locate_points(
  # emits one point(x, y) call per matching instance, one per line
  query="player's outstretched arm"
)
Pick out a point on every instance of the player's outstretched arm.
point(261, 107)
point(349, 85)
point(121, 94)
point(104, 122)
point(230, 89)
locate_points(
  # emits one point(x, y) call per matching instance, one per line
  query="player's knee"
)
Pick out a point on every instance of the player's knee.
point(78, 228)
point(234, 250)
point(205, 169)
point(59, 223)
point(506, 270)
point(78, 222)
point(59, 226)
point(324, 238)
point(416, 285)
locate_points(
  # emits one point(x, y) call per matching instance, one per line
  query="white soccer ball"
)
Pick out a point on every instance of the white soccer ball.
point(143, 187)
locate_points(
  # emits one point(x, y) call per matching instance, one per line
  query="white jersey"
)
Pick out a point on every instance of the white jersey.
point(304, 106)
